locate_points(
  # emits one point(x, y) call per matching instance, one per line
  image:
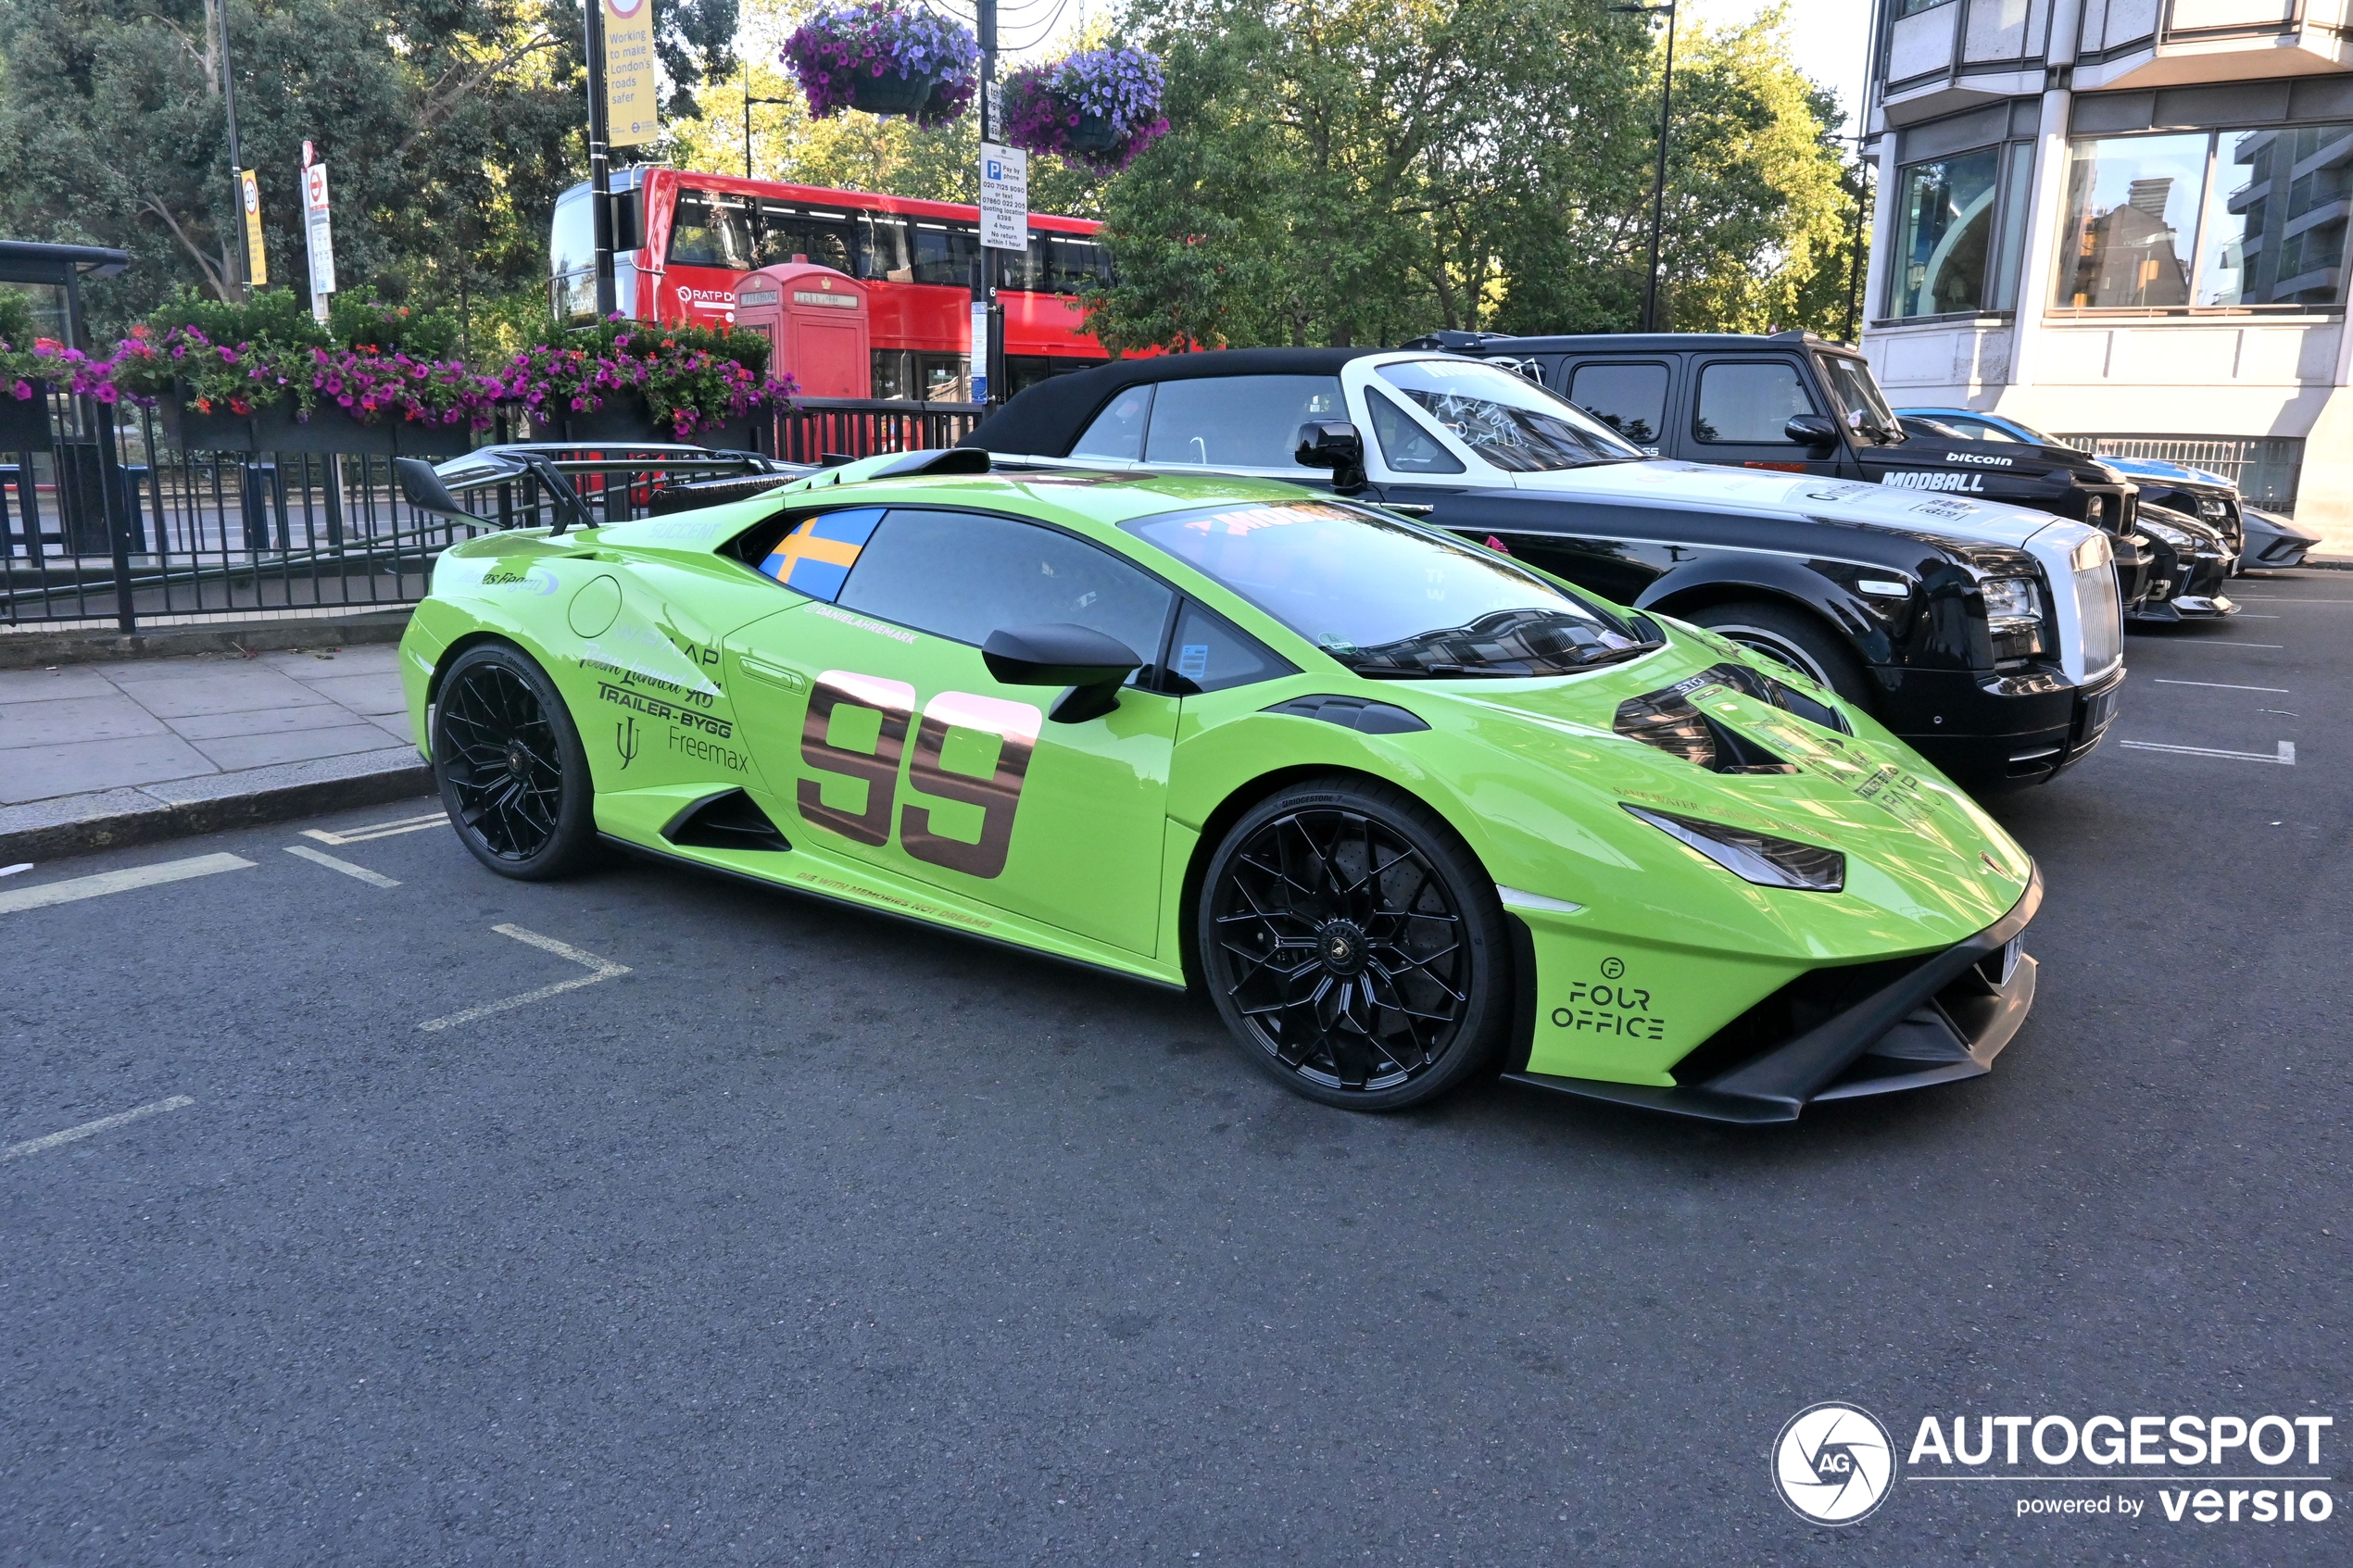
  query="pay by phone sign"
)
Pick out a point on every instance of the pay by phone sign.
point(1004, 198)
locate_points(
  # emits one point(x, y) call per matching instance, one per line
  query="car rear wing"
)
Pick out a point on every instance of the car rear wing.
point(564, 484)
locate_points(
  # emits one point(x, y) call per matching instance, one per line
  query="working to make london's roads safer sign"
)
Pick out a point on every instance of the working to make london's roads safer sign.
point(1004, 198)
point(316, 230)
point(630, 119)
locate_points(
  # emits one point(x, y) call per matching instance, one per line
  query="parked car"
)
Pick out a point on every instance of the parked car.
point(2209, 497)
point(1408, 812)
point(2194, 565)
point(1796, 403)
point(2273, 541)
point(1986, 636)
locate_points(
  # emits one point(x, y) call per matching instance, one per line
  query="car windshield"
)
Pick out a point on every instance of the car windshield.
point(1858, 393)
point(1388, 598)
point(1511, 421)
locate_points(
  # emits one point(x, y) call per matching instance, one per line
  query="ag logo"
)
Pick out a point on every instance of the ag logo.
point(1833, 1463)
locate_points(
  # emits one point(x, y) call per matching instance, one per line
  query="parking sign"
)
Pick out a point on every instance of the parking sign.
point(1004, 198)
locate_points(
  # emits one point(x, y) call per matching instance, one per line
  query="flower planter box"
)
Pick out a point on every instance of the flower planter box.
point(625, 419)
point(24, 421)
point(332, 432)
point(1094, 135)
point(192, 430)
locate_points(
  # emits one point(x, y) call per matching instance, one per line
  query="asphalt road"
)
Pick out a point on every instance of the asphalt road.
point(819, 1237)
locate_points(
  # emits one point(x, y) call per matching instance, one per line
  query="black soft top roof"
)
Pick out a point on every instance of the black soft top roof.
point(1046, 420)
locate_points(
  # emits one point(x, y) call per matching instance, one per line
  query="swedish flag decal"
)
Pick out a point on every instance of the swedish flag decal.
point(815, 558)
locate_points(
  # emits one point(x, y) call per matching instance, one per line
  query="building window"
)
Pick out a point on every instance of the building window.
point(1914, 7)
point(2275, 221)
point(2231, 218)
point(1944, 234)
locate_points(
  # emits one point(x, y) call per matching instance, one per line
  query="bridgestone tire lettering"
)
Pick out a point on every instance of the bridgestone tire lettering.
point(877, 770)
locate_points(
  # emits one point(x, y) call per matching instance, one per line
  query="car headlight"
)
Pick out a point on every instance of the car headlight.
point(2095, 510)
point(2212, 509)
point(2013, 616)
point(2179, 538)
point(1753, 857)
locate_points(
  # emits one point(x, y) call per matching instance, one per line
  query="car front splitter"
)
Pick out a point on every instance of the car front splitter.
point(1941, 1019)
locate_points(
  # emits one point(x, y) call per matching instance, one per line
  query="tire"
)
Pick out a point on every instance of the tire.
point(513, 775)
point(1372, 993)
point(1793, 638)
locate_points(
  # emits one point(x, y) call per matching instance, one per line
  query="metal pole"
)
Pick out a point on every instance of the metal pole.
point(1659, 185)
point(747, 117)
point(991, 266)
point(1855, 260)
point(599, 165)
point(237, 157)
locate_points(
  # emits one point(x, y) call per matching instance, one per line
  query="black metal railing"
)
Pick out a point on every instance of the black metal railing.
point(109, 523)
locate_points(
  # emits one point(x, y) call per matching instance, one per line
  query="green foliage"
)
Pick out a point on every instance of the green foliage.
point(16, 320)
point(1364, 172)
point(272, 317)
point(358, 321)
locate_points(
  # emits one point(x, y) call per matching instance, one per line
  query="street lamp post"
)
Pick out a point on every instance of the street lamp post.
point(599, 165)
point(1658, 182)
point(748, 101)
point(236, 159)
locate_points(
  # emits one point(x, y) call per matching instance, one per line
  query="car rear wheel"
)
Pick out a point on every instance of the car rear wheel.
point(1794, 639)
point(512, 773)
point(1354, 945)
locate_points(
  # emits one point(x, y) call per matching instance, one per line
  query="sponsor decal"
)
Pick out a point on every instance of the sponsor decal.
point(1833, 1463)
point(895, 634)
point(816, 556)
point(1980, 458)
point(701, 748)
point(1602, 1007)
point(592, 659)
point(624, 741)
point(530, 578)
point(1929, 479)
point(657, 708)
point(892, 901)
point(1943, 509)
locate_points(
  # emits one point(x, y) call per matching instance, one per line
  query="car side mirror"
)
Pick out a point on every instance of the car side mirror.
point(1815, 431)
point(1091, 664)
point(1335, 444)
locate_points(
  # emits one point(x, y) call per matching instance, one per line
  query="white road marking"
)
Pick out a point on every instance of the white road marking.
point(606, 969)
point(2286, 757)
point(378, 830)
point(2244, 616)
point(19, 866)
point(319, 858)
point(2221, 685)
point(50, 892)
point(104, 1124)
point(2219, 643)
point(2286, 599)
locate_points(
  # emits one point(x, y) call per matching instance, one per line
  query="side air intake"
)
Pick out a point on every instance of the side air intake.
point(726, 821)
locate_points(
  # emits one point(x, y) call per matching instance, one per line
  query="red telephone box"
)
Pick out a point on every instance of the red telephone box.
point(818, 320)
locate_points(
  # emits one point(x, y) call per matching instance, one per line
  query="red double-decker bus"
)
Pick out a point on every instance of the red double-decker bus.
point(681, 240)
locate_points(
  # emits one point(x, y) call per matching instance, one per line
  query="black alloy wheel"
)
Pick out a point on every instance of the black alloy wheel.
point(513, 776)
point(1352, 943)
point(1792, 639)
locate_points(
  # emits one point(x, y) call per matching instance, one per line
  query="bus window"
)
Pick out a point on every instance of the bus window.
point(786, 232)
point(945, 252)
point(710, 230)
point(882, 248)
point(943, 376)
point(1025, 270)
point(1074, 264)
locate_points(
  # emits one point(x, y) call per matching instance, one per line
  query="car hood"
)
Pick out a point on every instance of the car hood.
point(1926, 866)
point(2176, 473)
point(1668, 483)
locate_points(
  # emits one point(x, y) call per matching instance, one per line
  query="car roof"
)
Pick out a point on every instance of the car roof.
point(1047, 419)
point(1104, 498)
point(1654, 343)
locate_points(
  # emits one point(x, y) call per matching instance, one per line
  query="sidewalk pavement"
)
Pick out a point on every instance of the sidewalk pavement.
point(92, 755)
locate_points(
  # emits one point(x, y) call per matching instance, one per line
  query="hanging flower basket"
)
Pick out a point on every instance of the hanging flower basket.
point(883, 59)
point(1099, 107)
point(25, 420)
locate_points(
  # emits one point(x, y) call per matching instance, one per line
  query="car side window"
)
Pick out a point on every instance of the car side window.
point(1980, 429)
point(1405, 446)
point(1209, 653)
point(1239, 421)
point(1748, 401)
point(1118, 431)
point(962, 575)
point(1630, 400)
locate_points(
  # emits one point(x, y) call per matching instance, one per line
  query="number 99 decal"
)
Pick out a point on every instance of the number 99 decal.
point(1016, 725)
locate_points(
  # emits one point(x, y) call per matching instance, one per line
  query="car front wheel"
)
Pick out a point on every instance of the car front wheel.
point(1354, 945)
point(512, 773)
point(1794, 639)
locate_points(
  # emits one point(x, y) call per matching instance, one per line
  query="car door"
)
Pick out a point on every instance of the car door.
point(1739, 406)
point(903, 751)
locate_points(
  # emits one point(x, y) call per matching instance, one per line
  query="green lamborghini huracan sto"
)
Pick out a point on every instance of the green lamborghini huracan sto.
point(1406, 810)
